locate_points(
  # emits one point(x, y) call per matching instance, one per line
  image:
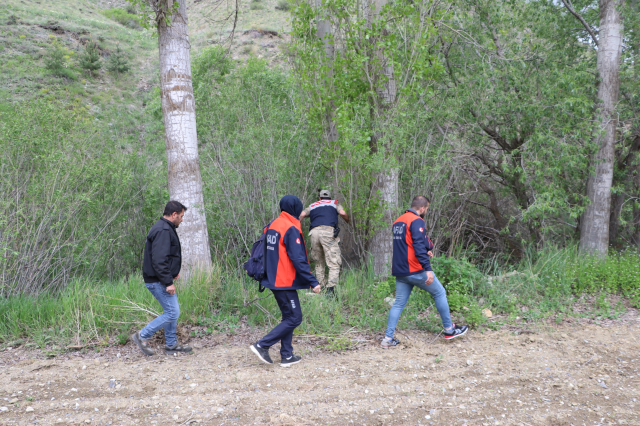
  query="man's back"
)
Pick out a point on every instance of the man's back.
point(409, 245)
point(286, 264)
point(324, 212)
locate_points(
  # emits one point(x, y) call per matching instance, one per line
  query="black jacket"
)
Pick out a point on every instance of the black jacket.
point(162, 254)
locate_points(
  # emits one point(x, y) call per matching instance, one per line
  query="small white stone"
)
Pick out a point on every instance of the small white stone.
point(193, 385)
point(469, 362)
point(84, 367)
point(427, 417)
point(3, 409)
point(269, 384)
point(29, 409)
point(74, 390)
point(220, 409)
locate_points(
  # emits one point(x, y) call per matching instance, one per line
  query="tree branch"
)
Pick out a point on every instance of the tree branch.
point(569, 6)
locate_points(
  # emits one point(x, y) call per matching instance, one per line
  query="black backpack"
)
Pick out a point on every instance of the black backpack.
point(255, 266)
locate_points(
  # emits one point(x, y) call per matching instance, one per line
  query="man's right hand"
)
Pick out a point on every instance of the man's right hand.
point(430, 278)
point(316, 289)
point(171, 289)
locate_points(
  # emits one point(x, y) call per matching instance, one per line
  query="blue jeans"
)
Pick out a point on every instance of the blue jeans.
point(168, 320)
point(404, 286)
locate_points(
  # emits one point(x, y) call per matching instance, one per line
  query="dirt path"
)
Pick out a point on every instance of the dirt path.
point(584, 375)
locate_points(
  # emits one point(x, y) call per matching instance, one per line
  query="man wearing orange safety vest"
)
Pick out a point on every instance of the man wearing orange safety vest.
point(287, 270)
point(412, 268)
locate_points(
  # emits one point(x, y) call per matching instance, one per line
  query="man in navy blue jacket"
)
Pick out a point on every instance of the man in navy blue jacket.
point(288, 270)
point(411, 266)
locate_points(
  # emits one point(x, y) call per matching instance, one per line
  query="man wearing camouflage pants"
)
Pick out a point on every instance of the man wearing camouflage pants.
point(324, 241)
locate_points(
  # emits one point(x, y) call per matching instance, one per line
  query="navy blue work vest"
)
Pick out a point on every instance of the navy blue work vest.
point(324, 212)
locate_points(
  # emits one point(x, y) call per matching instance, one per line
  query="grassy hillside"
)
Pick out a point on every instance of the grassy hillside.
point(29, 30)
point(75, 144)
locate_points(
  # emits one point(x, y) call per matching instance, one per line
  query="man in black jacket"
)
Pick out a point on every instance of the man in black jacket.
point(161, 266)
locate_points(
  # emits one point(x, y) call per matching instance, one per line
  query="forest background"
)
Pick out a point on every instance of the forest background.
point(492, 114)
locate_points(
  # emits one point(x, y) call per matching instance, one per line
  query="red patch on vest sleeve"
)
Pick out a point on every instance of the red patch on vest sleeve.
point(298, 240)
point(421, 230)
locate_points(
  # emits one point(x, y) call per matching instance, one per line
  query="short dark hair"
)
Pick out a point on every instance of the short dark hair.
point(419, 202)
point(173, 207)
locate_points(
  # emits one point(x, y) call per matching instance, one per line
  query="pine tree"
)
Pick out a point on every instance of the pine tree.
point(90, 59)
point(117, 62)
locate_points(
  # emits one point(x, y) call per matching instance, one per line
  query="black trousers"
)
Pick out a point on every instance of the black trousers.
point(291, 318)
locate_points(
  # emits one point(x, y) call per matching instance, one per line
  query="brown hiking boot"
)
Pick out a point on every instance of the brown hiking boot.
point(143, 344)
point(177, 349)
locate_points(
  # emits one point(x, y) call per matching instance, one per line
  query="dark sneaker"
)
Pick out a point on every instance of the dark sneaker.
point(262, 353)
point(177, 349)
point(143, 344)
point(389, 343)
point(288, 362)
point(458, 330)
point(331, 293)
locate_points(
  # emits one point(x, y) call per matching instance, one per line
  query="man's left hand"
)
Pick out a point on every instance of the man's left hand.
point(171, 289)
point(430, 278)
point(316, 289)
point(430, 253)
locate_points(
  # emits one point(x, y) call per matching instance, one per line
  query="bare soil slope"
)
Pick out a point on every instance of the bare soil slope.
point(585, 375)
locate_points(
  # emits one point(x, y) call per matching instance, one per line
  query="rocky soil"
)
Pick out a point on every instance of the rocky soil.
point(570, 375)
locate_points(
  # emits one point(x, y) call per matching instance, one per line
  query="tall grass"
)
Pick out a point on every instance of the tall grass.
point(96, 313)
point(90, 312)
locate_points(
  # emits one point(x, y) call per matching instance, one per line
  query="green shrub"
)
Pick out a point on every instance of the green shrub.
point(457, 275)
point(255, 5)
point(474, 316)
point(457, 301)
point(123, 17)
point(283, 5)
point(57, 59)
point(117, 62)
point(618, 272)
point(90, 60)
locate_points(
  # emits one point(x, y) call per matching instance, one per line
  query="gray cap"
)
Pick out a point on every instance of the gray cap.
point(324, 194)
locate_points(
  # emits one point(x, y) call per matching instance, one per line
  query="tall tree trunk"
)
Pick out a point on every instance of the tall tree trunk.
point(386, 181)
point(179, 114)
point(594, 231)
point(323, 29)
point(381, 244)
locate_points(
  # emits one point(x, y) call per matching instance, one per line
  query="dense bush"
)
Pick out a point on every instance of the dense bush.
point(117, 62)
point(123, 17)
point(457, 275)
point(57, 59)
point(90, 60)
point(283, 5)
point(255, 148)
point(72, 199)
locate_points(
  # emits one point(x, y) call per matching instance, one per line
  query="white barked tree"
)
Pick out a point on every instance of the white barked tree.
point(181, 141)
